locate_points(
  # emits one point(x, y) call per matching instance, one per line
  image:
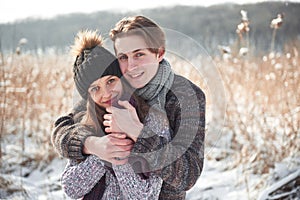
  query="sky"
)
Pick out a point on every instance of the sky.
point(12, 10)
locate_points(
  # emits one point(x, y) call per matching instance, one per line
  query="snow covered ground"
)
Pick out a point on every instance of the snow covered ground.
point(217, 181)
point(43, 183)
point(26, 172)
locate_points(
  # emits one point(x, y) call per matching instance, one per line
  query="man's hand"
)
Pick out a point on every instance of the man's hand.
point(113, 148)
point(123, 120)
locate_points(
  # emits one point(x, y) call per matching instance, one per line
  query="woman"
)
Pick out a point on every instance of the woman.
point(108, 175)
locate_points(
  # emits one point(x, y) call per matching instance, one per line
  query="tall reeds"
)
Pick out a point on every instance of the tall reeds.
point(243, 29)
point(263, 113)
point(37, 90)
point(275, 25)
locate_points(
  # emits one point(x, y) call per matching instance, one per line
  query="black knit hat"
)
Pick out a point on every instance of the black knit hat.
point(91, 65)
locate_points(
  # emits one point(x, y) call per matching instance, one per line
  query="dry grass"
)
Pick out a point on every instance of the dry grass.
point(35, 90)
point(263, 111)
point(262, 116)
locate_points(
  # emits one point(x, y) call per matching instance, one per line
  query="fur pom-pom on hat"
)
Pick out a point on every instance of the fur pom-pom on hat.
point(92, 62)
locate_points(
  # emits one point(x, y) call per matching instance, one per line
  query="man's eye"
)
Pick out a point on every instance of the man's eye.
point(139, 54)
point(123, 57)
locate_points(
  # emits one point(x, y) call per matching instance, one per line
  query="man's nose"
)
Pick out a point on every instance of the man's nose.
point(131, 64)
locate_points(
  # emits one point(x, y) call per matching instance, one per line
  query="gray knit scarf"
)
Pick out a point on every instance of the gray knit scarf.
point(156, 90)
point(155, 93)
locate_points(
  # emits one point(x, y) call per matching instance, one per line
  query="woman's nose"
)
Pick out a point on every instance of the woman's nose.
point(106, 92)
point(103, 94)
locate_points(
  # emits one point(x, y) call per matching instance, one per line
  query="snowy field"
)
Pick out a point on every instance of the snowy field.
point(259, 146)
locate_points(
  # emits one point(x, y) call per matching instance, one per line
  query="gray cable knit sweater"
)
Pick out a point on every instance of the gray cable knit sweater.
point(79, 178)
point(180, 162)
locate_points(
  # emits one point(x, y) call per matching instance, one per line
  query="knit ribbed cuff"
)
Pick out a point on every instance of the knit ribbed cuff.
point(76, 143)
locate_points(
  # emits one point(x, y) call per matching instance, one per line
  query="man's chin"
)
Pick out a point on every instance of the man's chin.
point(136, 84)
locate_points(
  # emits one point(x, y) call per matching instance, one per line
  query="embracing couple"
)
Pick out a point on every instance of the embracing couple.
point(138, 132)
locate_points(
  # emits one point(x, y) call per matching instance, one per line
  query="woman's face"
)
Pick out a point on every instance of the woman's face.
point(138, 64)
point(106, 91)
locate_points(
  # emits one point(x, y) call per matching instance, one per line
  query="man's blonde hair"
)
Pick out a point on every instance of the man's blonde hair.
point(152, 34)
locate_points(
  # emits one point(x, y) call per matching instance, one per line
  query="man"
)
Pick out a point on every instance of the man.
point(139, 44)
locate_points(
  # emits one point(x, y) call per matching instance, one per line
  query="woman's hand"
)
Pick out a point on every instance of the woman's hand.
point(113, 148)
point(123, 120)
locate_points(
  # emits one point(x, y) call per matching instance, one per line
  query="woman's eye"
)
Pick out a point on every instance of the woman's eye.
point(94, 89)
point(110, 81)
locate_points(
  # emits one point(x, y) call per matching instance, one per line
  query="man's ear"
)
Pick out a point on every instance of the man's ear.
point(161, 53)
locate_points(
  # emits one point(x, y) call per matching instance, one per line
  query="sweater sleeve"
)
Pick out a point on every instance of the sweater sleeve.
point(133, 186)
point(80, 178)
point(178, 162)
point(69, 135)
point(155, 133)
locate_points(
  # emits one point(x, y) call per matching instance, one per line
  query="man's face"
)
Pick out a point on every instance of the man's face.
point(138, 64)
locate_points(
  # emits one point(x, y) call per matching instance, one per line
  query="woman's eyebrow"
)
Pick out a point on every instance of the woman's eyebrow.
point(108, 77)
point(92, 85)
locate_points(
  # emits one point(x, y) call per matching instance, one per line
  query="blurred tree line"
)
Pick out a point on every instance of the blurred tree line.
point(210, 26)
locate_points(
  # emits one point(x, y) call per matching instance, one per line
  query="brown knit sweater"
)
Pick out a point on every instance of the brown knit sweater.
point(179, 163)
